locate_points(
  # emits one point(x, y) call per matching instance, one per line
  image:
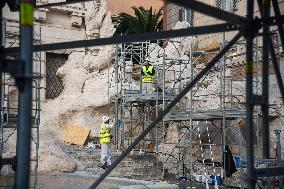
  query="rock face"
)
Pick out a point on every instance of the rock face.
point(85, 95)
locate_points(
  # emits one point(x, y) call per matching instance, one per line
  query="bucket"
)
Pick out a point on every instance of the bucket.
point(217, 178)
point(237, 161)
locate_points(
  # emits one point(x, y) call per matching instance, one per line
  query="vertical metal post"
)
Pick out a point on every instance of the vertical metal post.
point(280, 26)
point(278, 154)
point(190, 110)
point(108, 85)
point(276, 69)
point(249, 98)
point(156, 149)
point(257, 57)
point(164, 88)
point(278, 144)
point(116, 98)
point(265, 82)
point(37, 114)
point(257, 92)
point(1, 45)
point(272, 52)
point(122, 129)
point(131, 123)
point(242, 184)
point(223, 109)
point(178, 145)
point(1, 23)
point(25, 96)
point(222, 99)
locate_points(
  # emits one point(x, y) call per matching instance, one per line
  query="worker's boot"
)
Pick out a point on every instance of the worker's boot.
point(104, 166)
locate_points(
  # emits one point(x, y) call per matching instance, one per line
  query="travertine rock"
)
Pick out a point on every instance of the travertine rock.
point(95, 14)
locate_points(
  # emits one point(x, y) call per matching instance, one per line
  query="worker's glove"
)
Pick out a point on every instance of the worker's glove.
point(111, 136)
point(149, 73)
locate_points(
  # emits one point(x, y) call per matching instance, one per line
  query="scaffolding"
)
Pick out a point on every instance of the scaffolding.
point(247, 26)
point(10, 108)
point(134, 110)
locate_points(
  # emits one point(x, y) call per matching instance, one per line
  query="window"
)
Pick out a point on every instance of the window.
point(190, 17)
point(181, 16)
point(229, 5)
point(186, 15)
point(54, 85)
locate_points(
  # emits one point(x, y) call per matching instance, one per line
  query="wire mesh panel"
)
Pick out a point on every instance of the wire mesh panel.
point(176, 13)
point(54, 85)
point(229, 5)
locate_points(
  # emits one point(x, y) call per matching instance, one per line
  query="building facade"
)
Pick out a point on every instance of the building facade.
point(125, 5)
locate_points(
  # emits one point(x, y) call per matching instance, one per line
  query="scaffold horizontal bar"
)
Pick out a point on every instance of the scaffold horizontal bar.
point(269, 172)
point(211, 11)
point(142, 37)
point(61, 3)
point(132, 38)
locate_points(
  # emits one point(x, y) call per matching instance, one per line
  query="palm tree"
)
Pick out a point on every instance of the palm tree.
point(143, 21)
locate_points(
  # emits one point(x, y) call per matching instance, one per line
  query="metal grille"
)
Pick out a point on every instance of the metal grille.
point(219, 4)
point(181, 16)
point(229, 5)
point(54, 85)
point(185, 15)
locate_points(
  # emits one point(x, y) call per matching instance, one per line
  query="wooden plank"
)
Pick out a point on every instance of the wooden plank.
point(75, 134)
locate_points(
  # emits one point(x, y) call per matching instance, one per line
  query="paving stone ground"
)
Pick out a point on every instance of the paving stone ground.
point(72, 181)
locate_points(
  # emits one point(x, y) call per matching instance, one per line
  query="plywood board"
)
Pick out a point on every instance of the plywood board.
point(75, 134)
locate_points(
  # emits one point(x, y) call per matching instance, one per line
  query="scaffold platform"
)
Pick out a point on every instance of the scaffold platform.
point(205, 115)
point(137, 96)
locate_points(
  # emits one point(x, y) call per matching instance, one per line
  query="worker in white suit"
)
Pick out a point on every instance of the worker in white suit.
point(105, 141)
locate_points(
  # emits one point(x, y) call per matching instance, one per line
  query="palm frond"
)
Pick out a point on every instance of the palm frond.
point(143, 21)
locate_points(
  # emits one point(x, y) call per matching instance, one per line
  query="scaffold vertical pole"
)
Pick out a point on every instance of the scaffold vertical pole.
point(1, 23)
point(1, 110)
point(249, 98)
point(222, 64)
point(276, 69)
point(281, 35)
point(265, 83)
point(279, 23)
point(116, 98)
point(278, 154)
point(24, 83)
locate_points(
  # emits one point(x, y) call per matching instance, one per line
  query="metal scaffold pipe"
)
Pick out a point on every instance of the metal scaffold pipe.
point(25, 96)
point(251, 180)
point(265, 82)
point(1, 24)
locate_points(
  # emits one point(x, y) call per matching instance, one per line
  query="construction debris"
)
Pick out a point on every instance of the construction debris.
point(74, 134)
